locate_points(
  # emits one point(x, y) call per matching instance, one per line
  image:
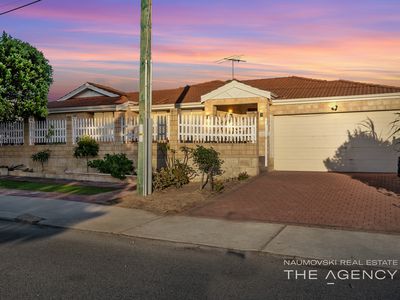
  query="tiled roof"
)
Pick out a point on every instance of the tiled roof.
point(161, 96)
point(284, 88)
point(88, 101)
point(108, 88)
point(299, 87)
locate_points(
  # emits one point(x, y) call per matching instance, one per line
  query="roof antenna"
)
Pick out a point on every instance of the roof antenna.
point(233, 59)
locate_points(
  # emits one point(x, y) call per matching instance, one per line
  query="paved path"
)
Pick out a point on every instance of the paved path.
point(243, 236)
point(348, 201)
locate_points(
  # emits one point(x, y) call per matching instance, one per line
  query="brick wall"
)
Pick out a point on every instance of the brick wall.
point(61, 158)
point(237, 158)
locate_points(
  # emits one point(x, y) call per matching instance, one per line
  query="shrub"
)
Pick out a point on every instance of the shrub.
point(243, 176)
point(118, 165)
point(208, 162)
point(219, 186)
point(42, 157)
point(176, 173)
point(86, 147)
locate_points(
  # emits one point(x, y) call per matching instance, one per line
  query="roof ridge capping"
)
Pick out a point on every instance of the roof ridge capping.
point(367, 83)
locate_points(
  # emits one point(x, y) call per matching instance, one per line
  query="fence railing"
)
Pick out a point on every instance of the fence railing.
point(130, 128)
point(102, 129)
point(191, 129)
point(216, 129)
point(47, 132)
point(12, 133)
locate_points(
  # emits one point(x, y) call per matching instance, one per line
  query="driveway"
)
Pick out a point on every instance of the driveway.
point(353, 201)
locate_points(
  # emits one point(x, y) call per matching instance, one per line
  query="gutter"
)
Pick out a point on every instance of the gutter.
point(97, 108)
point(172, 106)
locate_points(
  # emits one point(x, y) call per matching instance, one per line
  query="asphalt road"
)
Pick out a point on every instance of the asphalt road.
point(47, 263)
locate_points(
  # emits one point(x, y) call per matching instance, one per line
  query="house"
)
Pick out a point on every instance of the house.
point(300, 124)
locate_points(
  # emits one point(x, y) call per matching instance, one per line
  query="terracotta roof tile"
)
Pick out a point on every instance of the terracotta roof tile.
point(299, 87)
point(293, 87)
point(89, 101)
point(108, 88)
point(161, 96)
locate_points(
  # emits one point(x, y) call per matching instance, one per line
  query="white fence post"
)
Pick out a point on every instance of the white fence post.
point(73, 129)
point(31, 131)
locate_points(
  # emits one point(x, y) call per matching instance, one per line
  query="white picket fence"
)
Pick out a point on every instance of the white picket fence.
point(217, 129)
point(130, 128)
point(12, 133)
point(191, 129)
point(102, 129)
point(47, 132)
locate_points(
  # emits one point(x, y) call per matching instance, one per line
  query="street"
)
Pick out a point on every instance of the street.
point(42, 262)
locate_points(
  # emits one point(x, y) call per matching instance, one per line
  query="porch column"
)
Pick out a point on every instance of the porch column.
point(210, 109)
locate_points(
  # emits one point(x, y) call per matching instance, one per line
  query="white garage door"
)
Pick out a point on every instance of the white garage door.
point(334, 142)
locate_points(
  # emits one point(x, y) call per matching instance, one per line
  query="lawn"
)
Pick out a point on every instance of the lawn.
point(54, 187)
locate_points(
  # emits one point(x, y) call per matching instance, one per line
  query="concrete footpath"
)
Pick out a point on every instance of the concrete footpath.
point(287, 240)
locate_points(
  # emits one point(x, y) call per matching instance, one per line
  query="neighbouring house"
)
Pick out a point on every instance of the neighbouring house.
point(289, 123)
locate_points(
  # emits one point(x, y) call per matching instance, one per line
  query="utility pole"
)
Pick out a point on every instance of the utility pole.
point(144, 173)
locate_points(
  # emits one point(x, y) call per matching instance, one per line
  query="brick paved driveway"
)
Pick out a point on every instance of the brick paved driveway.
point(354, 201)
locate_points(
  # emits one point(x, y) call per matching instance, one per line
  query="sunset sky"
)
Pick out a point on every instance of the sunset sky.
point(98, 40)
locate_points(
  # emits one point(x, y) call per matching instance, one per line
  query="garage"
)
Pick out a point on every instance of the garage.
point(342, 142)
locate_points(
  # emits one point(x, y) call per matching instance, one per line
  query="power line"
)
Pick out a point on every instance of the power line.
point(19, 7)
point(11, 3)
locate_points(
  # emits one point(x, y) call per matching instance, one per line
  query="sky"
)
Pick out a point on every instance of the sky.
point(98, 40)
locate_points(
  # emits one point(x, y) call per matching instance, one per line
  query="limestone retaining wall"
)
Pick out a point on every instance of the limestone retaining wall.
point(237, 157)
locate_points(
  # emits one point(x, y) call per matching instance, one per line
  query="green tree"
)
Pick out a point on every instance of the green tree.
point(208, 162)
point(25, 79)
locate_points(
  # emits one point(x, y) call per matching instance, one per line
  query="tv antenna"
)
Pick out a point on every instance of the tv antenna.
point(233, 59)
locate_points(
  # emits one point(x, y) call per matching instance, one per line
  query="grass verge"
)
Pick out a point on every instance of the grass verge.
point(54, 187)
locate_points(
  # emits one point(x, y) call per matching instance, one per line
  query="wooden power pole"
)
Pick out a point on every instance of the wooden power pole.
point(144, 172)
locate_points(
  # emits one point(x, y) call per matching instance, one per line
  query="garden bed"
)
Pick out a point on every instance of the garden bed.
point(174, 200)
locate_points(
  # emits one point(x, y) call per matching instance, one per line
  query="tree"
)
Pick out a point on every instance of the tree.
point(25, 79)
point(208, 162)
point(87, 147)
